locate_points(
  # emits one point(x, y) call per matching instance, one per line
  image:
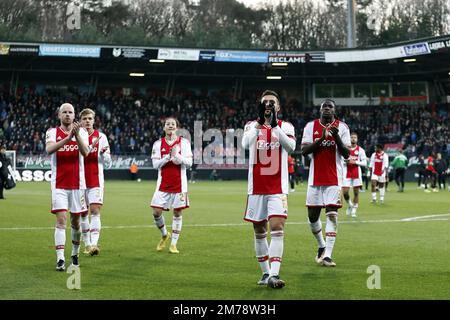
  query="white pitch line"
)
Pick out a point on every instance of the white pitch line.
point(413, 219)
point(426, 217)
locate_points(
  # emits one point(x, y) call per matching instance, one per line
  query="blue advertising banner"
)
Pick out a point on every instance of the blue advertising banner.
point(207, 55)
point(63, 50)
point(242, 56)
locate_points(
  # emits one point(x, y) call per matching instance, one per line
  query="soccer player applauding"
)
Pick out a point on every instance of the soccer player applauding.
point(99, 154)
point(327, 141)
point(171, 155)
point(67, 145)
point(269, 141)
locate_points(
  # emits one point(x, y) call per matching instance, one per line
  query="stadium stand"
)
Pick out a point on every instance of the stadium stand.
point(132, 123)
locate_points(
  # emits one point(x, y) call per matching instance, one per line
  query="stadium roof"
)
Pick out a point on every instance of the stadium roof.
point(423, 59)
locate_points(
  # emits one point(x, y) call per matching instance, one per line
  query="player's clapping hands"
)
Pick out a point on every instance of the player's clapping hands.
point(261, 113)
point(334, 131)
point(274, 120)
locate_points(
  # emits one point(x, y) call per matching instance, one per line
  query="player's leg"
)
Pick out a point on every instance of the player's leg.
point(316, 229)
point(345, 193)
point(256, 213)
point(177, 223)
point(158, 204)
point(95, 227)
point(277, 208)
point(331, 198)
point(60, 205)
point(262, 249)
point(76, 236)
point(85, 228)
point(60, 239)
point(276, 248)
point(330, 232)
point(355, 200)
point(374, 189)
point(382, 189)
point(402, 180)
point(292, 181)
point(397, 179)
point(314, 203)
point(427, 177)
point(77, 207)
point(179, 202)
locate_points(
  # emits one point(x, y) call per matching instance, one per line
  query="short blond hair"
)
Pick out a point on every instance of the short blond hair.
point(86, 112)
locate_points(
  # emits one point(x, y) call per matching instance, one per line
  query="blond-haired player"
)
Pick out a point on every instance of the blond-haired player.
point(99, 154)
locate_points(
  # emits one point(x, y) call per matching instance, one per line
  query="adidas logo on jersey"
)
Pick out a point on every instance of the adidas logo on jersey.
point(317, 132)
point(59, 138)
point(163, 149)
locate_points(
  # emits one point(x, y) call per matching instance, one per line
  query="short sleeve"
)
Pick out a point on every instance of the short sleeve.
point(50, 135)
point(308, 134)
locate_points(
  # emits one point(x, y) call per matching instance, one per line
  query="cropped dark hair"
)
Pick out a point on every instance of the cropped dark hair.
point(270, 93)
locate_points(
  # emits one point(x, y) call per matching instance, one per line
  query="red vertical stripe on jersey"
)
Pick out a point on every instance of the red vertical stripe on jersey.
point(352, 169)
point(263, 182)
point(91, 163)
point(67, 163)
point(378, 167)
point(325, 172)
point(171, 172)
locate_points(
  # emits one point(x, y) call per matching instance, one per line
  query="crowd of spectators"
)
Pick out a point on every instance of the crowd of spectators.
point(132, 123)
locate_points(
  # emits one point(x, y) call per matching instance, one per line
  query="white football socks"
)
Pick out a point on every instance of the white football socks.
point(60, 241)
point(177, 222)
point(96, 226)
point(76, 235)
point(262, 251)
point(330, 231)
point(316, 229)
point(84, 221)
point(159, 222)
point(382, 191)
point(276, 251)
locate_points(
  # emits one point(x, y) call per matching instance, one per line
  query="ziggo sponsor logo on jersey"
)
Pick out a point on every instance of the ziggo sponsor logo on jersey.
point(67, 147)
point(264, 145)
point(327, 143)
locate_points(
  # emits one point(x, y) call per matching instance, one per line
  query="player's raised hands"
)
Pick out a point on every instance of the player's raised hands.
point(261, 111)
point(274, 120)
point(334, 131)
point(324, 133)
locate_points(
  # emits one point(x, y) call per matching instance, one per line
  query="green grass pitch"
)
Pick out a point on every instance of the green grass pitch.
point(216, 259)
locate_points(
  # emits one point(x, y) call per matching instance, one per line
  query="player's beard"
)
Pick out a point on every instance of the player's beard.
point(67, 123)
point(327, 119)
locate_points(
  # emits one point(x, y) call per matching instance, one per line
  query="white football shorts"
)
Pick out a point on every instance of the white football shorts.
point(348, 183)
point(381, 179)
point(94, 196)
point(168, 200)
point(72, 200)
point(261, 207)
point(323, 196)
